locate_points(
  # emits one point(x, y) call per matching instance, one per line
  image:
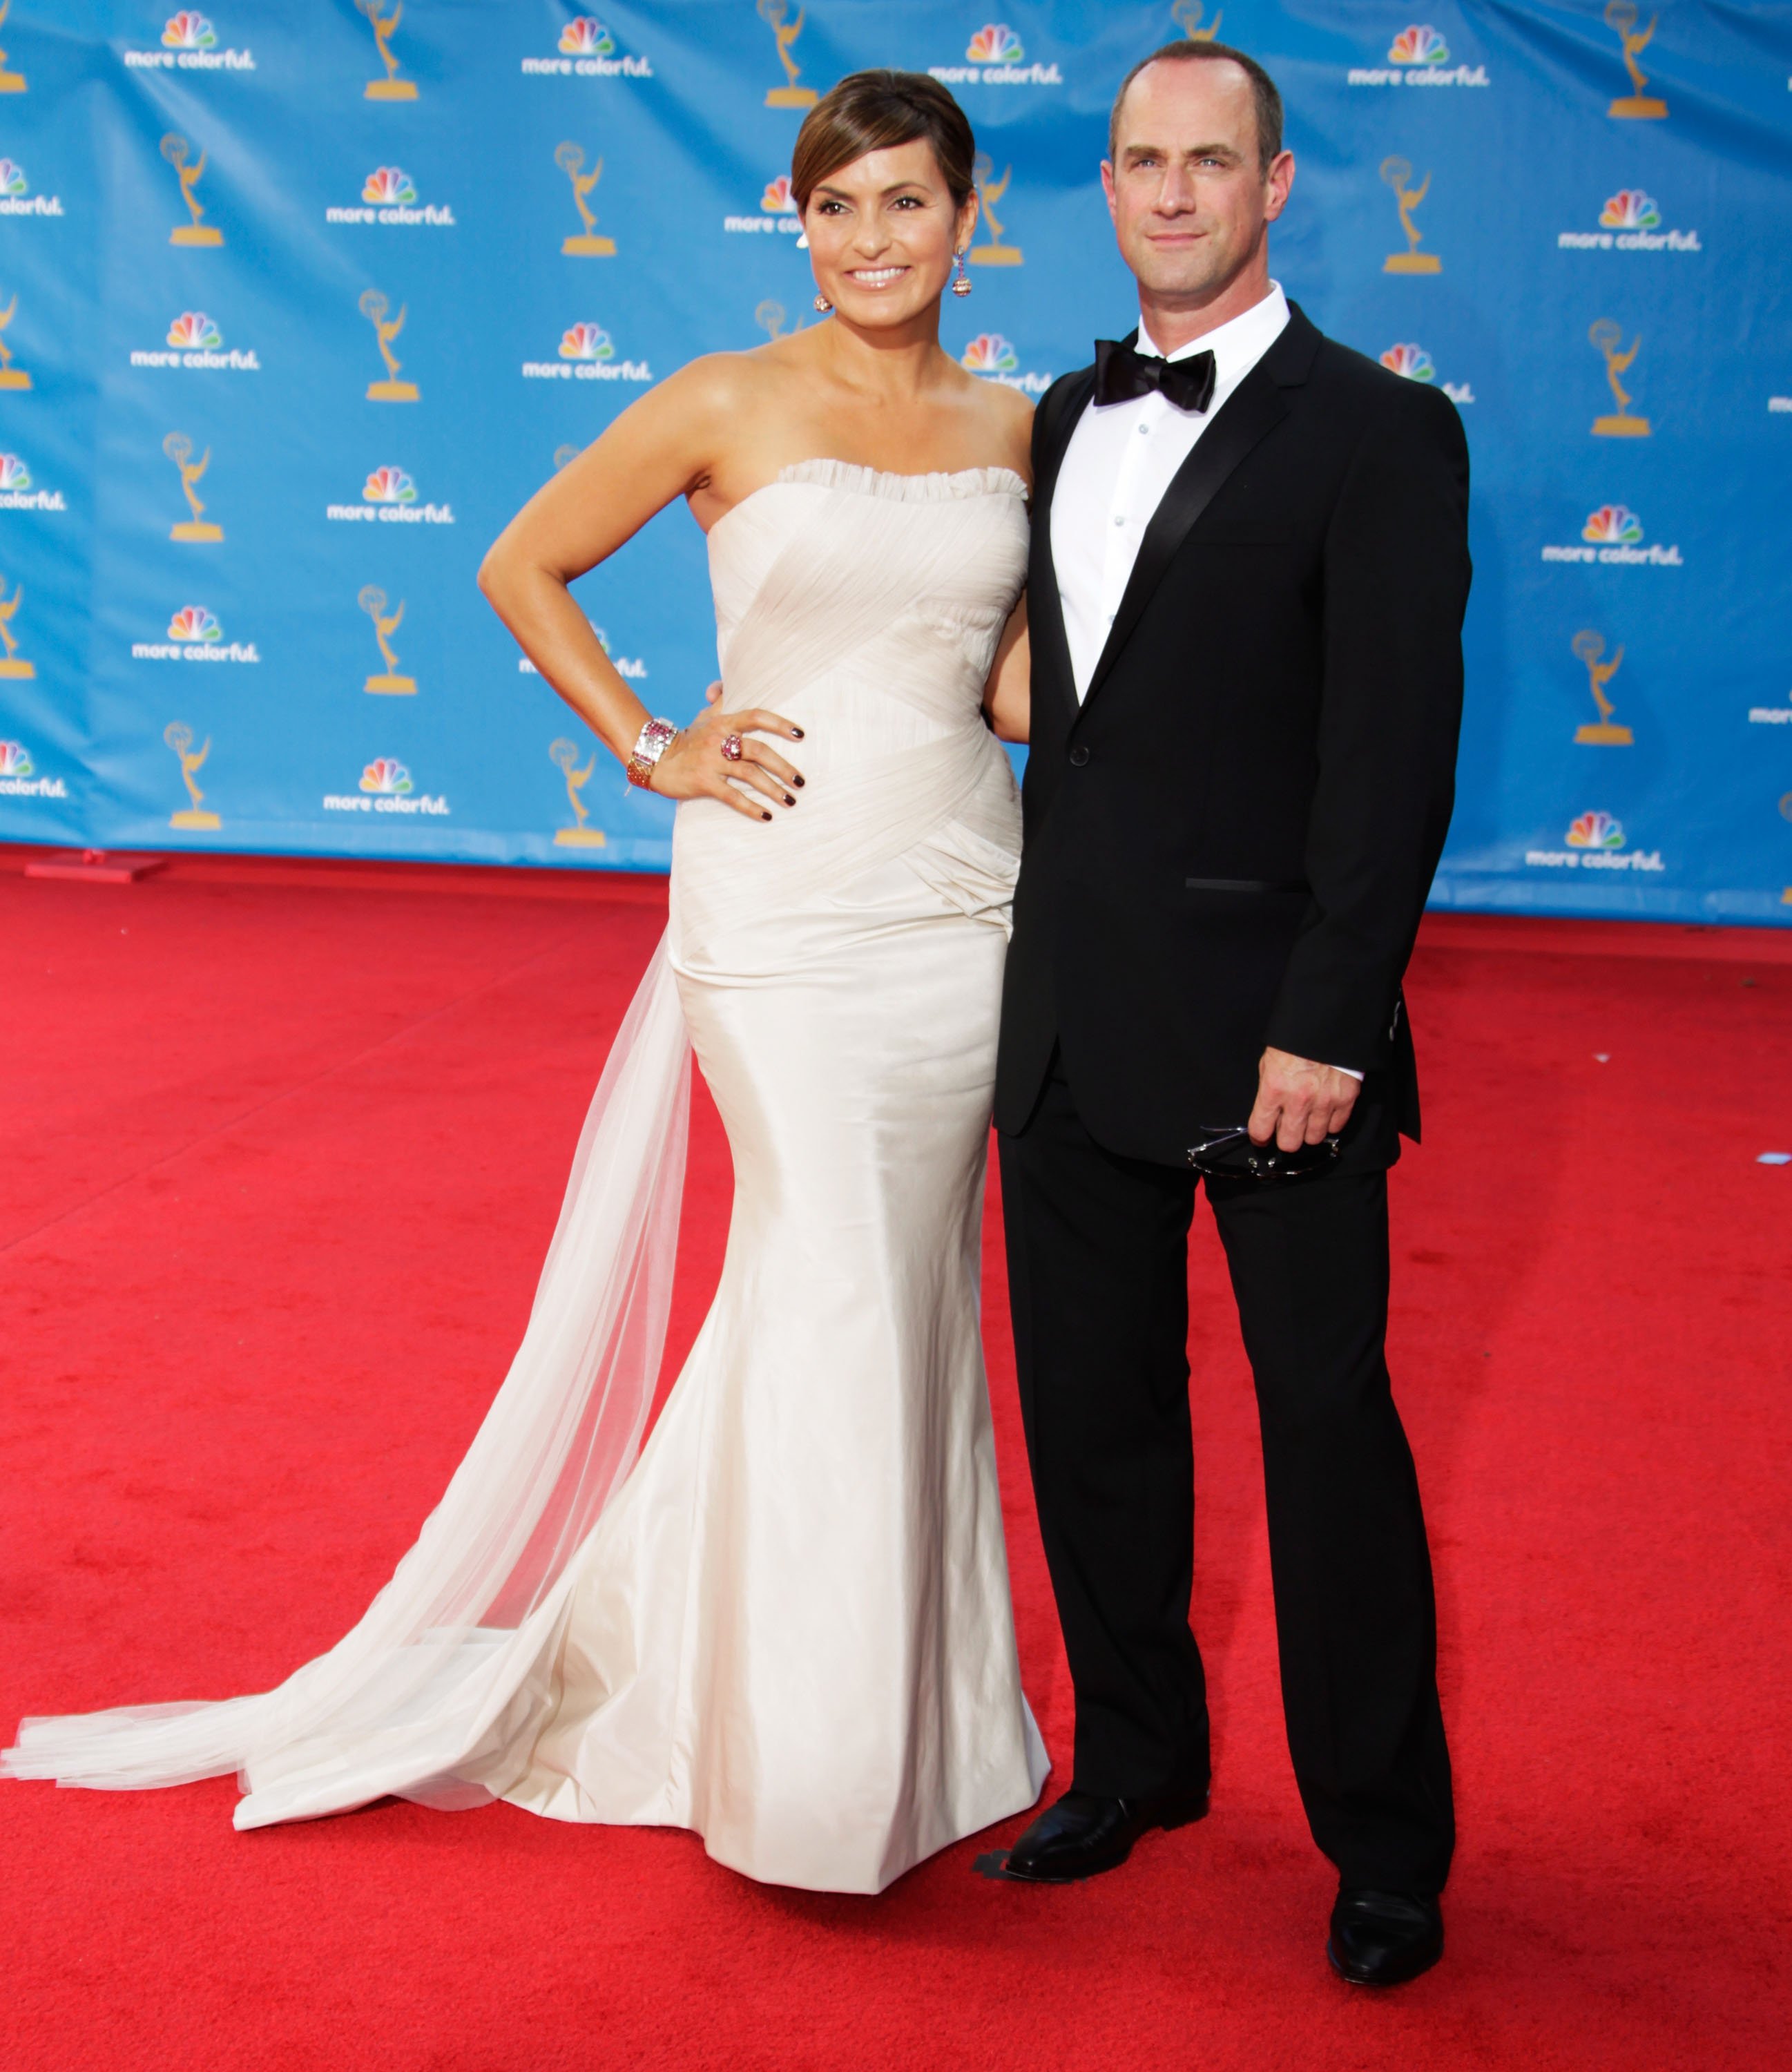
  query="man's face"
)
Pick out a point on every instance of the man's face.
point(1189, 198)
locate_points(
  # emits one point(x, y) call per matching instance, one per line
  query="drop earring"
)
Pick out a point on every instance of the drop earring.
point(961, 280)
point(823, 305)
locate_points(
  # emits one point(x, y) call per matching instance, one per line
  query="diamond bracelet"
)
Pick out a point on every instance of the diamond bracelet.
point(655, 738)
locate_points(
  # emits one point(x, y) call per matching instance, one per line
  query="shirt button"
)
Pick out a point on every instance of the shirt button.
point(1119, 517)
point(1079, 757)
point(1144, 431)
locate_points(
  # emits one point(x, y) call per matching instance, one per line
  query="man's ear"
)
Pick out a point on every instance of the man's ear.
point(1277, 182)
point(1107, 183)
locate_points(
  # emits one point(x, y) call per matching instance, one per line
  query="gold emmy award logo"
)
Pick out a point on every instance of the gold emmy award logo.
point(392, 87)
point(1621, 15)
point(179, 737)
point(10, 376)
point(1620, 424)
point(570, 158)
point(564, 757)
point(1396, 172)
point(372, 601)
point(564, 455)
point(1588, 647)
point(11, 82)
point(771, 317)
point(374, 307)
point(198, 530)
point(10, 665)
point(1187, 14)
point(990, 191)
point(790, 95)
point(174, 149)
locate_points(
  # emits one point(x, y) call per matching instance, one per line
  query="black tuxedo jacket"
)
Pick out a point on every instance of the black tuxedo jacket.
point(1229, 842)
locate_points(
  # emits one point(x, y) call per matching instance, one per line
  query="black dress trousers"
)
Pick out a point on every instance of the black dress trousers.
point(1098, 1265)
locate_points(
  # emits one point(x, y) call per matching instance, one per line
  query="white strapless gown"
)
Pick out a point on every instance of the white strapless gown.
point(787, 1625)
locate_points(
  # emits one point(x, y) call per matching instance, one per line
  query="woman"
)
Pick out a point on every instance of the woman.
point(787, 1626)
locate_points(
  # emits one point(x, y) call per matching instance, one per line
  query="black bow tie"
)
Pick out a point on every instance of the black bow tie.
point(1121, 375)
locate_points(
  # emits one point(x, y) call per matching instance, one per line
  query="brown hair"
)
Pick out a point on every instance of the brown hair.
point(874, 111)
point(1263, 92)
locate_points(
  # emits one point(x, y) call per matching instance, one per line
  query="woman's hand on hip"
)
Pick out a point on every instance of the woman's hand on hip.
point(716, 757)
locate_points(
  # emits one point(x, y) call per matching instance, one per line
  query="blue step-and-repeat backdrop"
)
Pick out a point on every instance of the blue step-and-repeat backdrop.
point(299, 299)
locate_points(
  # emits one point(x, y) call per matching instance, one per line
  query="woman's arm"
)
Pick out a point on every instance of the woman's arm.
point(658, 449)
point(1008, 696)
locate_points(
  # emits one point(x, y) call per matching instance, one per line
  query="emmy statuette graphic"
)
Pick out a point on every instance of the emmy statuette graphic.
point(1620, 424)
point(1396, 172)
point(374, 307)
point(565, 757)
point(392, 87)
point(563, 455)
point(372, 601)
point(790, 95)
point(179, 737)
point(1588, 647)
point(990, 191)
point(11, 82)
point(570, 158)
point(198, 530)
point(771, 317)
point(12, 666)
point(1186, 13)
point(174, 149)
point(10, 376)
point(1636, 106)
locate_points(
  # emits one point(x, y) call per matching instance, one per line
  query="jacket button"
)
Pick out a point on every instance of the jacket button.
point(1079, 757)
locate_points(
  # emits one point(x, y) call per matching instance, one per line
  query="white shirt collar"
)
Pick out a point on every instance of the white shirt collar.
point(1240, 342)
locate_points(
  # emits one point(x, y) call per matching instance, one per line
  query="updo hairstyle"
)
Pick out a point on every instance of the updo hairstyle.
point(875, 111)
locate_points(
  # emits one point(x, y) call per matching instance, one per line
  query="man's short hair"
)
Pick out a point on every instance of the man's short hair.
point(1263, 92)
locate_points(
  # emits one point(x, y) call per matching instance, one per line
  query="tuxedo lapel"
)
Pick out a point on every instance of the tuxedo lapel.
point(1052, 649)
point(1255, 410)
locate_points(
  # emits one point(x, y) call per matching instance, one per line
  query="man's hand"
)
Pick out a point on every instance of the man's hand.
point(1299, 1102)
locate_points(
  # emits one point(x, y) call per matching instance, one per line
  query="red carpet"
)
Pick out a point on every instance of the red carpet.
point(284, 1149)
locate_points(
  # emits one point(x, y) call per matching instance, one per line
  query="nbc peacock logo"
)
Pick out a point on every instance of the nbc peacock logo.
point(994, 56)
point(1630, 209)
point(586, 341)
point(587, 352)
point(989, 353)
point(1419, 45)
point(193, 621)
point(1612, 525)
point(388, 198)
point(19, 777)
point(194, 331)
point(389, 497)
point(587, 50)
point(778, 211)
point(189, 42)
point(189, 31)
point(1630, 221)
point(1417, 56)
point(1594, 841)
point(1412, 362)
point(194, 341)
point(1600, 831)
point(389, 485)
point(193, 635)
point(993, 44)
point(385, 786)
point(586, 38)
point(16, 197)
point(17, 492)
point(1613, 534)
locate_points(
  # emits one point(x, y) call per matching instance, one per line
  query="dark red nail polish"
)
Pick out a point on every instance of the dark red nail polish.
point(765, 816)
point(796, 733)
point(797, 782)
point(788, 800)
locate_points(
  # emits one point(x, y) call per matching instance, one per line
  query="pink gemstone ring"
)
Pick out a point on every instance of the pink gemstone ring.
point(731, 748)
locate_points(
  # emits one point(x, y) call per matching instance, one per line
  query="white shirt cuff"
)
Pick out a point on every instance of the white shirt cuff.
point(1348, 1073)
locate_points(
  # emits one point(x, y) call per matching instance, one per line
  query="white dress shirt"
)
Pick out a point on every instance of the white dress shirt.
point(1121, 459)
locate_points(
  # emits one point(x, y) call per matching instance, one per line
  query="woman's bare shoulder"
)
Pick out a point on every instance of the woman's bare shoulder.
point(1009, 416)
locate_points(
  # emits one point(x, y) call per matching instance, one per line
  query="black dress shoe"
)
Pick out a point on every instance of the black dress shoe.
point(1083, 1834)
point(1383, 1938)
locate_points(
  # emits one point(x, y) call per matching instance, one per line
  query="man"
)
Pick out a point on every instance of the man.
point(1249, 569)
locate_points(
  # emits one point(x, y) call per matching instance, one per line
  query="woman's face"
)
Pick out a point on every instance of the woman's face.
point(882, 234)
